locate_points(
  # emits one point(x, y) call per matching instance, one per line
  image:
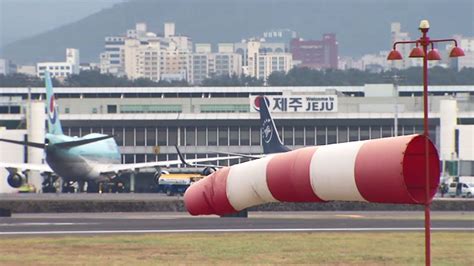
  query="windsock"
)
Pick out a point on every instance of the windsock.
point(387, 170)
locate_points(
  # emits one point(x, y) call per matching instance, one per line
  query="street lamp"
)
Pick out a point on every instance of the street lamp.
point(422, 52)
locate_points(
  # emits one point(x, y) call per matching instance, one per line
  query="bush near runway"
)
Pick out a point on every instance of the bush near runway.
point(177, 205)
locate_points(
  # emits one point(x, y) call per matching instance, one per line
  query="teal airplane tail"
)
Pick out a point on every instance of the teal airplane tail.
point(54, 125)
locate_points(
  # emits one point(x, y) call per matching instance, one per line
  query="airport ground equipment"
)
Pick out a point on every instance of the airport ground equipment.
point(387, 170)
point(172, 184)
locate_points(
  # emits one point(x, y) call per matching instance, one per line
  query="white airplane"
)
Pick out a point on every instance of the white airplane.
point(92, 158)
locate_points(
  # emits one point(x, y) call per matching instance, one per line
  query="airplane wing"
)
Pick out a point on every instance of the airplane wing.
point(115, 168)
point(21, 167)
point(249, 156)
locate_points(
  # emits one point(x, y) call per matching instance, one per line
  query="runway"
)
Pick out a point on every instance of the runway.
point(116, 223)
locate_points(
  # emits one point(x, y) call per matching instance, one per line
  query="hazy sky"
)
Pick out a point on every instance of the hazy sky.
point(24, 18)
point(46, 27)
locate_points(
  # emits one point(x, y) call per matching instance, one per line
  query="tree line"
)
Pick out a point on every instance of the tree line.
point(295, 77)
point(88, 78)
point(353, 77)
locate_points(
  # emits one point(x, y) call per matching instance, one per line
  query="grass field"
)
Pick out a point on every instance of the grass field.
point(381, 248)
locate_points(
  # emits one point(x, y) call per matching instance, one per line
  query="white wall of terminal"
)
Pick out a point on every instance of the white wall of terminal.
point(466, 142)
point(456, 141)
point(36, 133)
point(82, 107)
point(448, 121)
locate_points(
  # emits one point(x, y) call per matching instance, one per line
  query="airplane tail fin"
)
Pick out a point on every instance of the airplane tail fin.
point(270, 138)
point(54, 125)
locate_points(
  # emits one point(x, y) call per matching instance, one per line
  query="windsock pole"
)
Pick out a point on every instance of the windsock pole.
point(425, 42)
point(456, 51)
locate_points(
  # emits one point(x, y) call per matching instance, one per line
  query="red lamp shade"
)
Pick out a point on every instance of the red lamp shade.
point(456, 52)
point(433, 54)
point(417, 52)
point(394, 55)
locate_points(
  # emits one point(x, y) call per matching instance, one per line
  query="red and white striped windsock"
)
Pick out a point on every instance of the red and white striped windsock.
point(387, 170)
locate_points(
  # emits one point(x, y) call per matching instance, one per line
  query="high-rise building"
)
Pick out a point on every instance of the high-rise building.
point(316, 54)
point(226, 64)
point(142, 59)
point(273, 62)
point(112, 60)
point(7, 67)
point(253, 48)
point(142, 54)
point(398, 35)
point(139, 32)
point(199, 67)
point(263, 47)
point(169, 29)
point(61, 69)
point(203, 48)
point(264, 58)
point(205, 64)
point(29, 70)
point(175, 59)
point(72, 57)
point(225, 48)
point(467, 44)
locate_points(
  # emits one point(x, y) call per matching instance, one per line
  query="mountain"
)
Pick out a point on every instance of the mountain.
point(24, 18)
point(360, 26)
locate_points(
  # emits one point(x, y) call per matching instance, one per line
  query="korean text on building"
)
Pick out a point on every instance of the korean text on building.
point(298, 103)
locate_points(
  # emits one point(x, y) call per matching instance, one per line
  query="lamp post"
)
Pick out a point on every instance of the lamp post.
point(422, 52)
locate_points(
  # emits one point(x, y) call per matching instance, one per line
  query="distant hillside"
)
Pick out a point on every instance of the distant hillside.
point(361, 26)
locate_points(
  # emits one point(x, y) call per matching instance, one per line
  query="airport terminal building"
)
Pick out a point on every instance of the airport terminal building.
point(148, 122)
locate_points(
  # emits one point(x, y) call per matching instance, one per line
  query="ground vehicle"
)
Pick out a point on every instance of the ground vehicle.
point(461, 189)
point(172, 184)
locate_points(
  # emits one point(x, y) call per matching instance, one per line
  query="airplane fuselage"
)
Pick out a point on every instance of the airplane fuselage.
point(81, 163)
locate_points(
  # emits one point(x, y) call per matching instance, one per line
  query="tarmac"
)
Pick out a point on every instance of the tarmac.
point(180, 222)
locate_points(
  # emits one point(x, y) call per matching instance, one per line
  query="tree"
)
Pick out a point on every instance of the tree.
point(23, 80)
point(250, 81)
point(234, 80)
point(93, 78)
point(298, 76)
point(277, 78)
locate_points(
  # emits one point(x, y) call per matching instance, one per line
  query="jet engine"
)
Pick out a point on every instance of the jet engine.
point(208, 170)
point(16, 180)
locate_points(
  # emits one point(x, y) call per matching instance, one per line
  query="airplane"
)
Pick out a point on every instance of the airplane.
point(271, 140)
point(92, 158)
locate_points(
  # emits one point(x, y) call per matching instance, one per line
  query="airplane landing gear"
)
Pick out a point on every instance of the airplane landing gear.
point(119, 187)
point(68, 187)
point(49, 183)
point(80, 185)
point(92, 187)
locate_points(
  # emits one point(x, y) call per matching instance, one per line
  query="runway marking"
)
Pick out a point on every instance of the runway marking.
point(236, 230)
point(349, 215)
point(42, 224)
